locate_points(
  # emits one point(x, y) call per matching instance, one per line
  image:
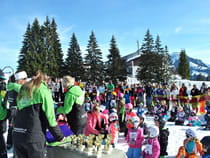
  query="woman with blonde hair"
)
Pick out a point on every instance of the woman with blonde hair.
point(35, 115)
point(73, 105)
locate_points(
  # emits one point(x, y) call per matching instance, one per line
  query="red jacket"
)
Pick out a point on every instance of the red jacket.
point(92, 120)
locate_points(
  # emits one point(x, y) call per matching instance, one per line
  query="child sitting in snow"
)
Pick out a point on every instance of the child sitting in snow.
point(192, 146)
point(151, 145)
point(180, 117)
point(207, 115)
point(193, 120)
point(173, 112)
point(135, 137)
point(140, 109)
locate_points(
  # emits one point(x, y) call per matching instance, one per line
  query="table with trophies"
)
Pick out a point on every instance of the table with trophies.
point(81, 146)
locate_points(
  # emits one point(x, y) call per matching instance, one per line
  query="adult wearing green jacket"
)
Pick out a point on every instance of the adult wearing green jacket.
point(13, 88)
point(3, 116)
point(35, 115)
point(73, 106)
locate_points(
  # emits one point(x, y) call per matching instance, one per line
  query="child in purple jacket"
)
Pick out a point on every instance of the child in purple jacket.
point(135, 137)
point(152, 146)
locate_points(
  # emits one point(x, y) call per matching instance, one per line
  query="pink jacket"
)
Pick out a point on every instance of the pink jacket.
point(138, 137)
point(91, 123)
point(155, 148)
point(114, 131)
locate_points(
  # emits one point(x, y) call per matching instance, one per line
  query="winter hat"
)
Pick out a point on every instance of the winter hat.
point(113, 116)
point(153, 131)
point(190, 133)
point(121, 95)
point(129, 106)
point(20, 75)
point(114, 93)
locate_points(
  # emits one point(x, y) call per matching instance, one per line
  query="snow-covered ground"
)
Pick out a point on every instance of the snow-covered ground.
point(176, 137)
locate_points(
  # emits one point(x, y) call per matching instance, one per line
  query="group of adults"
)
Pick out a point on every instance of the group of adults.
point(29, 106)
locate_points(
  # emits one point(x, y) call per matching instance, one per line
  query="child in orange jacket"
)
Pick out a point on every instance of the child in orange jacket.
point(192, 146)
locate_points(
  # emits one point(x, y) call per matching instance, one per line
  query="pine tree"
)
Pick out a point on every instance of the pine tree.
point(158, 47)
point(57, 64)
point(183, 67)
point(148, 43)
point(147, 71)
point(154, 65)
point(46, 46)
point(93, 60)
point(200, 77)
point(116, 65)
point(30, 58)
point(23, 57)
point(36, 46)
point(74, 63)
point(41, 49)
point(166, 66)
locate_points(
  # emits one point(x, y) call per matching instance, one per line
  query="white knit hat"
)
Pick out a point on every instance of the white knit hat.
point(20, 75)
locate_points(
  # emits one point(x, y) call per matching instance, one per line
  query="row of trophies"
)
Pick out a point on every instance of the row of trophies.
point(90, 145)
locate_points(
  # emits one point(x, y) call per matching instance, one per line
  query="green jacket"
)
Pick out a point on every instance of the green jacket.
point(40, 96)
point(3, 111)
point(73, 95)
point(13, 86)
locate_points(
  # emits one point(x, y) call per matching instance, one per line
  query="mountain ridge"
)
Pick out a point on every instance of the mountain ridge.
point(197, 66)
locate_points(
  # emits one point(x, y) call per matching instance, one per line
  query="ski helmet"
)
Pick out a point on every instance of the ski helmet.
point(113, 103)
point(153, 131)
point(114, 93)
point(120, 95)
point(113, 117)
point(135, 121)
point(129, 106)
point(190, 133)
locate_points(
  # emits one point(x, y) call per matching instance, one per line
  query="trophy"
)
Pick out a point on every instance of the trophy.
point(89, 144)
point(98, 143)
point(68, 144)
point(73, 142)
point(107, 148)
point(80, 142)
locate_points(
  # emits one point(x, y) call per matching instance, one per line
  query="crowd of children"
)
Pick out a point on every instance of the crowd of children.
point(114, 108)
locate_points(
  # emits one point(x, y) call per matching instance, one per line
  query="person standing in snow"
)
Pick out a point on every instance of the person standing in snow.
point(163, 136)
point(151, 145)
point(135, 138)
point(195, 93)
point(113, 128)
point(3, 116)
point(13, 88)
point(34, 116)
point(73, 106)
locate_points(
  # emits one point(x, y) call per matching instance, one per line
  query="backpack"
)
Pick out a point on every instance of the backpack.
point(190, 147)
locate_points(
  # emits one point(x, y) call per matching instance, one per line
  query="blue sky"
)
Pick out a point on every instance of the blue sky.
point(181, 24)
